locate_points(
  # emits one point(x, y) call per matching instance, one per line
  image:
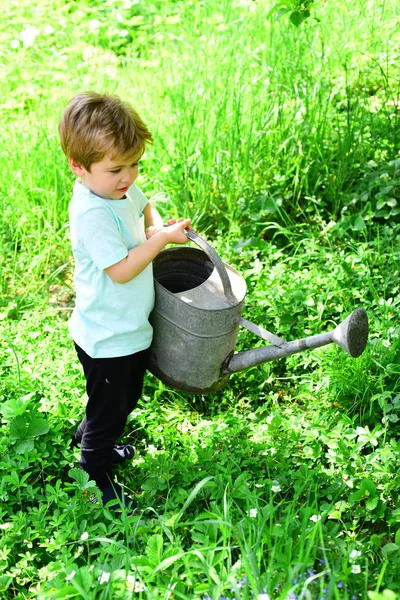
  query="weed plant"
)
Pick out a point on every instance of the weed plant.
point(276, 131)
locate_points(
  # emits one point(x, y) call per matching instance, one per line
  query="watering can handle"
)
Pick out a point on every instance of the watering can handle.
point(217, 262)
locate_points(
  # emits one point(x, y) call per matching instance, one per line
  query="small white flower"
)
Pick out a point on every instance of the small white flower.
point(70, 576)
point(386, 343)
point(94, 24)
point(263, 597)
point(104, 577)
point(48, 29)
point(84, 536)
point(253, 512)
point(259, 485)
point(14, 44)
point(315, 518)
point(355, 554)
point(134, 585)
point(356, 569)
point(276, 488)
point(28, 36)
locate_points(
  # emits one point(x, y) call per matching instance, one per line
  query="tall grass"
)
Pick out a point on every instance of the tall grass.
point(240, 103)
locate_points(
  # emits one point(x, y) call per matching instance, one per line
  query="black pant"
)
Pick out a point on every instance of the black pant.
point(113, 386)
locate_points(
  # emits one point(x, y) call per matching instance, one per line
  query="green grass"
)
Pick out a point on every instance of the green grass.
point(281, 143)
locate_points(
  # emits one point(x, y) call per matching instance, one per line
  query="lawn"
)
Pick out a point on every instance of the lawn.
point(276, 131)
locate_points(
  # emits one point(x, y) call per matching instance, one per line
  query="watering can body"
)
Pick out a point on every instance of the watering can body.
point(195, 328)
point(196, 318)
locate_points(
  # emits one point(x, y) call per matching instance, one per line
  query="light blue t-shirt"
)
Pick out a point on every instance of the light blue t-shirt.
point(109, 319)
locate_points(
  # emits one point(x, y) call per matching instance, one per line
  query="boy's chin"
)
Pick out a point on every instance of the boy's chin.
point(119, 194)
point(116, 195)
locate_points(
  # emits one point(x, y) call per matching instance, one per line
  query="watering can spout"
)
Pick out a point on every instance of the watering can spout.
point(351, 335)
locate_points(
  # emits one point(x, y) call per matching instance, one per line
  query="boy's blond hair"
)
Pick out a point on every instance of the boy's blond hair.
point(94, 125)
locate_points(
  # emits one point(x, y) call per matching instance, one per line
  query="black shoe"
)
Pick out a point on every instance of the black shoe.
point(121, 501)
point(121, 453)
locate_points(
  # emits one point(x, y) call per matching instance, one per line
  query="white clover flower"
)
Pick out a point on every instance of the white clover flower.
point(48, 29)
point(84, 536)
point(315, 518)
point(253, 512)
point(70, 576)
point(276, 488)
point(94, 24)
point(14, 44)
point(356, 569)
point(104, 578)
point(355, 554)
point(28, 36)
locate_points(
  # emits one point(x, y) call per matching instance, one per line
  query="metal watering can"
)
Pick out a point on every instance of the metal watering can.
point(196, 318)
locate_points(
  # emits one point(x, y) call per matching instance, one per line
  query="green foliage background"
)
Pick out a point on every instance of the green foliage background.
point(276, 131)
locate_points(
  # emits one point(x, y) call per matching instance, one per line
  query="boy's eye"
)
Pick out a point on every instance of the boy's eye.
point(118, 170)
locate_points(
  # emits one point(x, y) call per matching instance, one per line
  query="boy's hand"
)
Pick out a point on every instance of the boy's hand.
point(152, 230)
point(175, 231)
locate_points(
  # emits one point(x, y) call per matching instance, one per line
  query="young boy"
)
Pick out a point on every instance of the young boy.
point(115, 235)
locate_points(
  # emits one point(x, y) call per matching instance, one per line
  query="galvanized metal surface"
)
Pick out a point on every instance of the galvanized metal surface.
point(196, 318)
point(195, 326)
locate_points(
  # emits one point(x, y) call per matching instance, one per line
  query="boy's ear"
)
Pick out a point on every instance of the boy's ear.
point(76, 167)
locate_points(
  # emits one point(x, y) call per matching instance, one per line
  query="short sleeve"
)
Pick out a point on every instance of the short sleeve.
point(137, 198)
point(100, 235)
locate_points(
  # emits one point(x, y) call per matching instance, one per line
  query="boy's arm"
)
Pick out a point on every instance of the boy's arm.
point(139, 257)
point(152, 219)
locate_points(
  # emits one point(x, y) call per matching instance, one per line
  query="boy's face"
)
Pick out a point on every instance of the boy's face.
point(110, 177)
